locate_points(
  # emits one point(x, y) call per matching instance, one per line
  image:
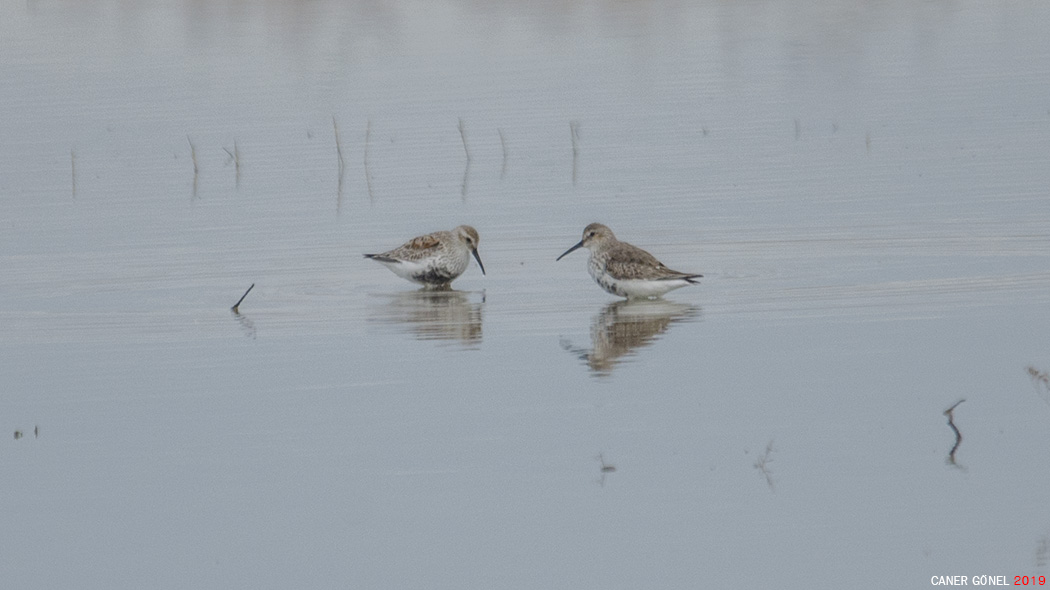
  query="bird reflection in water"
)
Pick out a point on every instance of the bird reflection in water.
point(623, 327)
point(435, 315)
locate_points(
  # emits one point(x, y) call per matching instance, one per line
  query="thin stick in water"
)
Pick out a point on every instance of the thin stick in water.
point(762, 464)
point(606, 469)
point(342, 167)
point(574, 131)
point(368, 151)
point(73, 170)
point(466, 150)
point(503, 144)
point(238, 304)
point(338, 145)
point(958, 435)
point(1041, 381)
point(196, 169)
point(235, 157)
point(463, 136)
point(236, 165)
point(193, 156)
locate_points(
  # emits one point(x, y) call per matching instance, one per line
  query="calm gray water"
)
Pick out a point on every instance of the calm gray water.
point(864, 185)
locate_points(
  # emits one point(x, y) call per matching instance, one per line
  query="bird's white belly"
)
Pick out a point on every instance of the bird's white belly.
point(431, 272)
point(632, 288)
point(404, 269)
point(641, 289)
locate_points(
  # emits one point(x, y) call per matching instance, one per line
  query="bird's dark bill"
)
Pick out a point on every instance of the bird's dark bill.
point(573, 249)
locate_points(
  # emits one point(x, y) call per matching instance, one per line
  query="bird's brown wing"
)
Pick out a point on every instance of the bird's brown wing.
point(423, 242)
point(630, 262)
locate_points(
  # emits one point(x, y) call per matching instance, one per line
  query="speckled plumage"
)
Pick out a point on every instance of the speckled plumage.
point(433, 260)
point(626, 270)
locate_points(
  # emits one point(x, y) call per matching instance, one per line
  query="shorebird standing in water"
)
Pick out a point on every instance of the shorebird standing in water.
point(626, 270)
point(433, 260)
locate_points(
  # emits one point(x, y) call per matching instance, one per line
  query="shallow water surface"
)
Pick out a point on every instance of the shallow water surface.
point(862, 184)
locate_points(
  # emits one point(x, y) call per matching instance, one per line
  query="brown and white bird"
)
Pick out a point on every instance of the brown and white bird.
point(433, 260)
point(626, 270)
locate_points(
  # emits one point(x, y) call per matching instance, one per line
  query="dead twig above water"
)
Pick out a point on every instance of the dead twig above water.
point(368, 170)
point(463, 137)
point(236, 306)
point(762, 465)
point(19, 434)
point(196, 168)
point(950, 413)
point(342, 166)
point(466, 150)
point(338, 145)
point(235, 157)
point(574, 133)
point(503, 144)
point(1041, 381)
point(606, 468)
